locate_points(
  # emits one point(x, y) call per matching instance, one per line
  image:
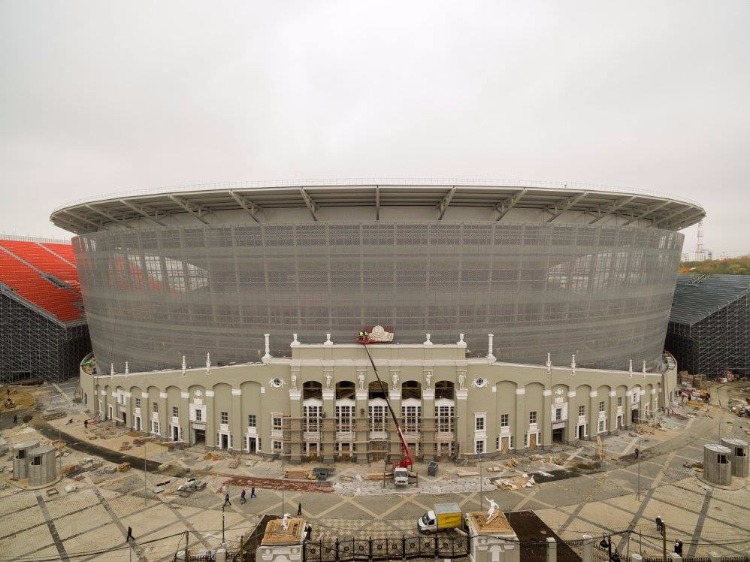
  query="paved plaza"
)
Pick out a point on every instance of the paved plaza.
point(623, 497)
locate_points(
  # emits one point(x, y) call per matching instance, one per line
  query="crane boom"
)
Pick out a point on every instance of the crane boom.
point(406, 458)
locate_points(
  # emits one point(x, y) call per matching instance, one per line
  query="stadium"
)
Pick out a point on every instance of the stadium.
point(527, 274)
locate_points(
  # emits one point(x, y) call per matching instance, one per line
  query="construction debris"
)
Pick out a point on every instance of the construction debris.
point(516, 483)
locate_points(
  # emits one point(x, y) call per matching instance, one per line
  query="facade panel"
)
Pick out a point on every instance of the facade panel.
point(601, 292)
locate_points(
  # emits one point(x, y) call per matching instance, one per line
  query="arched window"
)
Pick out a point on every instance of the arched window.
point(444, 390)
point(312, 389)
point(411, 389)
point(376, 390)
point(345, 390)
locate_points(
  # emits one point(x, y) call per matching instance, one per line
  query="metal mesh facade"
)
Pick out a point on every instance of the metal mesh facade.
point(154, 295)
point(34, 347)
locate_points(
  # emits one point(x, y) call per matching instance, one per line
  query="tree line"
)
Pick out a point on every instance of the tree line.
point(727, 266)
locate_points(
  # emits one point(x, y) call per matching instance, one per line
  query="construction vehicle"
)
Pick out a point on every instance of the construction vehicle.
point(445, 516)
point(401, 468)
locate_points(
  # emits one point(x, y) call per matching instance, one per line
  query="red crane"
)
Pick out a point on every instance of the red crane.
point(407, 460)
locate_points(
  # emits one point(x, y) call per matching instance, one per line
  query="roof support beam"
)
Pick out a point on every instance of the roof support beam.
point(666, 219)
point(614, 207)
point(680, 217)
point(443, 205)
point(567, 204)
point(198, 211)
point(79, 218)
point(251, 208)
point(108, 216)
point(75, 226)
point(504, 207)
point(309, 202)
point(689, 220)
point(647, 212)
point(141, 210)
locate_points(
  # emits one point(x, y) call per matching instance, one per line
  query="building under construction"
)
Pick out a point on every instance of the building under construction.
point(709, 326)
point(43, 330)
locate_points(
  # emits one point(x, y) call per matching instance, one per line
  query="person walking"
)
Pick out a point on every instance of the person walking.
point(226, 500)
point(242, 497)
point(252, 493)
point(299, 510)
point(85, 424)
point(15, 419)
point(130, 535)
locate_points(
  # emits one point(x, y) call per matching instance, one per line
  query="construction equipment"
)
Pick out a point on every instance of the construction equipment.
point(402, 466)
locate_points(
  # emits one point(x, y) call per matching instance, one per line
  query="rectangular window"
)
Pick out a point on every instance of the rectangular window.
point(558, 414)
point(504, 420)
point(137, 402)
point(532, 417)
point(411, 416)
point(344, 415)
point(276, 423)
point(277, 446)
point(444, 417)
point(581, 410)
point(601, 426)
point(479, 423)
point(36, 460)
point(175, 411)
point(155, 407)
point(312, 417)
point(601, 406)
point(225, 417)
point(198, 414)
point(619, 400)
point(377, 418)
point(479, 447)
point(252, 421)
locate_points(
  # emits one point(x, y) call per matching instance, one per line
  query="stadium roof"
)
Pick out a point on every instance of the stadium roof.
point(698, 296)
point(43, 275)
point(554, 199)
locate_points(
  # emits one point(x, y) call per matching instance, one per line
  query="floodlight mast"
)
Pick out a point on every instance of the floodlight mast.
point(406, 457)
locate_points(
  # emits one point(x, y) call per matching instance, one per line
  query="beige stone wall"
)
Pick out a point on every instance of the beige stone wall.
point(496, 405)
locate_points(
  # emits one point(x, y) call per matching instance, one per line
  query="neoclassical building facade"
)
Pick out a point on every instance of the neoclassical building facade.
point(324, 402)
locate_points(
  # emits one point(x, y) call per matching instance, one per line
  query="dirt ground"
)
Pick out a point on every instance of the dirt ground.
point(16, 398)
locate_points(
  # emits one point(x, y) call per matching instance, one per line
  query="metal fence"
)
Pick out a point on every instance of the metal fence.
point(405, 548)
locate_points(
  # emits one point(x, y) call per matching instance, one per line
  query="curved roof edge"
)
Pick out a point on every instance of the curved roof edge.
point(633, 206)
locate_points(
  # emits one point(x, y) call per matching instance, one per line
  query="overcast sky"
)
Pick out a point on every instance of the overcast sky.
point(101, 97)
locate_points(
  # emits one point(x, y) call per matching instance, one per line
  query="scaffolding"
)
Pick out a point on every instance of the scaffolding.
point(43, 330)
point(34, 347)
point(327, 443)
point(709, 326)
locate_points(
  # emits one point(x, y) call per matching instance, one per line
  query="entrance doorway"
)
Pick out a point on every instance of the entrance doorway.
point(175, 433)
point(581, 431)
point(124, 419)
point(505, 444)
point(311, 450)
point(444, 450)
point(138, 423)
point(223, 441)
point(636, 415)
point(252, 444)
point(345, 451)
point(200, 437)
point(532, 441)
point(558, 435)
